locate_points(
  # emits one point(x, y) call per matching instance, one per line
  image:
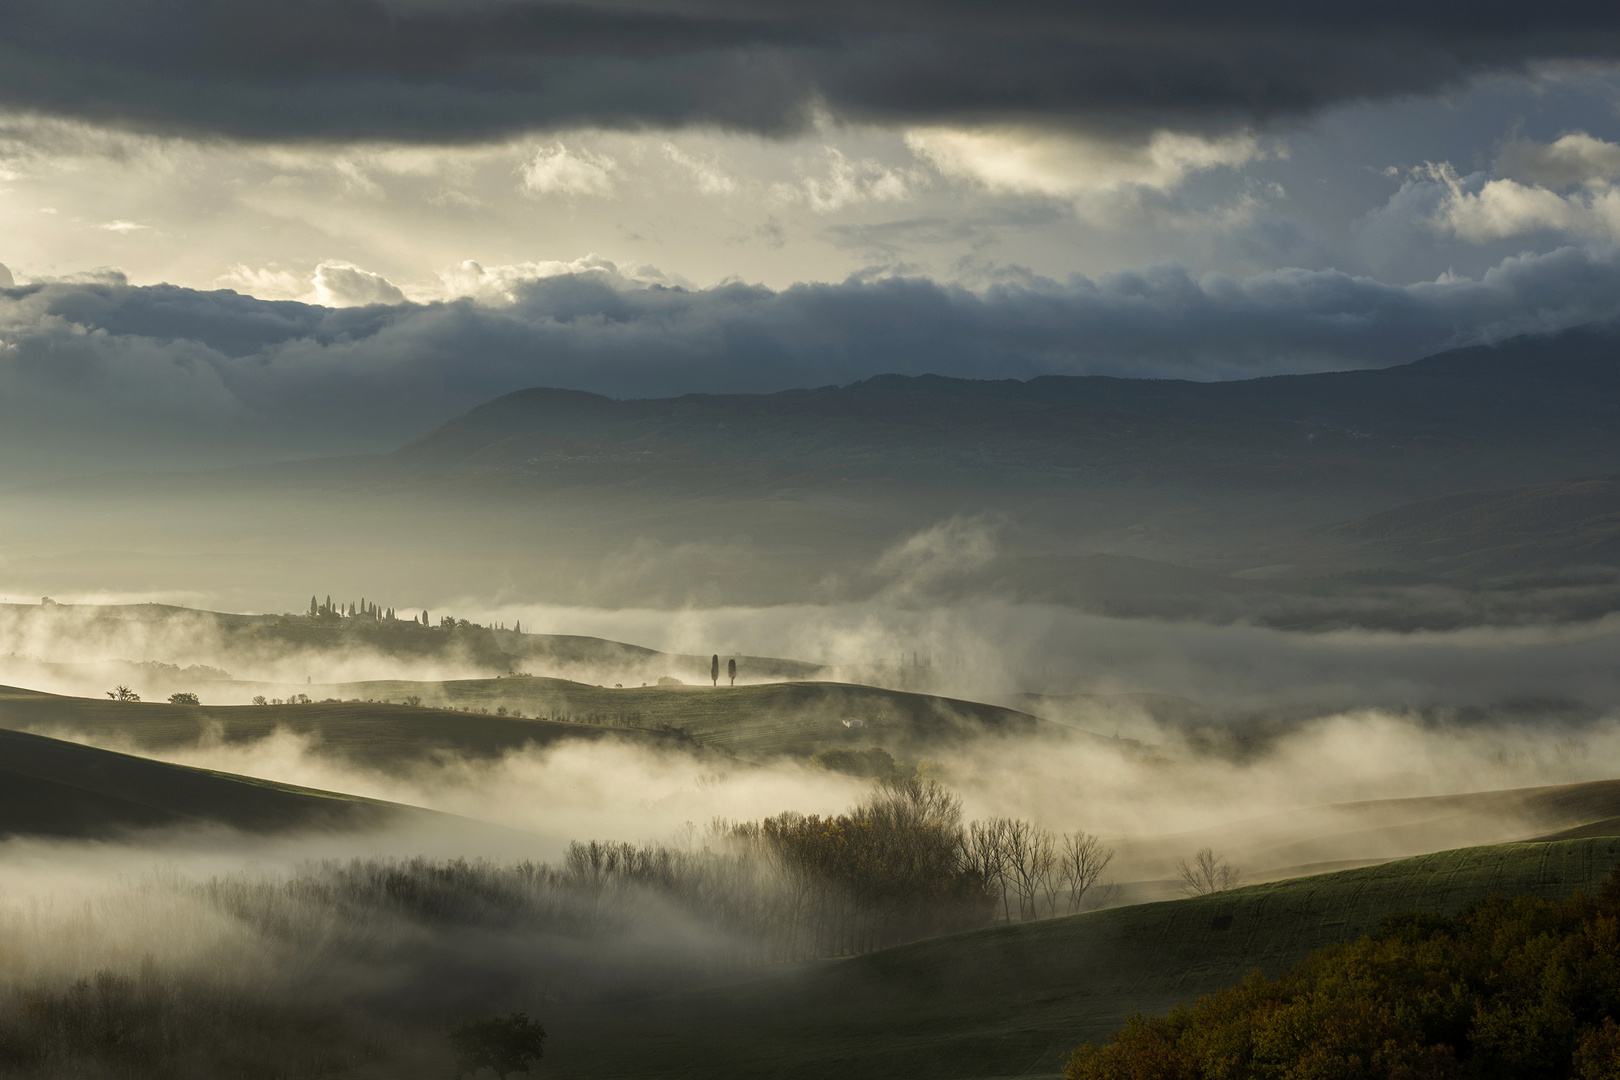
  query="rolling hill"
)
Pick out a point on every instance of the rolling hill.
point(369, 733)
point(293, 639)
point(1542, 527)
point(53, 788)
point(1319, 839)
point(759, 720)
point(1014, 1000)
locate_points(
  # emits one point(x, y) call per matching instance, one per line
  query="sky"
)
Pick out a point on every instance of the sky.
point(275, 229)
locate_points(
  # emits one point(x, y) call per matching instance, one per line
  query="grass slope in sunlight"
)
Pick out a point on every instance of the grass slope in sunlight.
point(369, 733)
point(757, 720)
point(61, 789)
point(1015, 1000)
point(760, 719)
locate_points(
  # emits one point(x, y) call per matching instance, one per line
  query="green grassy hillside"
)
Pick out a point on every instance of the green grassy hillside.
point(1318, 838)
point(370, 725)
point(61, 789)
point(369, 733)
point(1013, 1001)
point(771, 718)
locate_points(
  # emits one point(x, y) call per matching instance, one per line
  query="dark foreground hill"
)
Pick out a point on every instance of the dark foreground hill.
point(1013, 1001)
point(62, 789)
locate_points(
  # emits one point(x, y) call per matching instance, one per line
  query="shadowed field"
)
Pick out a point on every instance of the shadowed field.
point(1014, 1000)
point(61, 789)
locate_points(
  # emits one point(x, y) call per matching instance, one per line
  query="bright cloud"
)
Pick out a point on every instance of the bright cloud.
point(1481, 210)
point(264, 282)
point(342, 285)
point(1575, 158)
point(709, 177)
point(1074, 166)
point(557, 170)
point(847, 182)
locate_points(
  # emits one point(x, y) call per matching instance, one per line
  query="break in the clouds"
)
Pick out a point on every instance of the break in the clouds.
point(170, 369)
point(440, 70)
point(400, 195)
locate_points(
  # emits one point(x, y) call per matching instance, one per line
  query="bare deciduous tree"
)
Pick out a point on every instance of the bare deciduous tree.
point(1208, 873)
point(984, 850)
point(1082, 862)
point(1030, 862)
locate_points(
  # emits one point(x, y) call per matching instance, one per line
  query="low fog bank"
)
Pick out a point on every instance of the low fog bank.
point(359, 947)
point(1255, 793)
point(992, 650)
point(986, 650)
point(653, 869)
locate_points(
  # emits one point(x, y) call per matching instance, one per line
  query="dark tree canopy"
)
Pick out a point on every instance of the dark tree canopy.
point(506, 1044)
point(1513, 987)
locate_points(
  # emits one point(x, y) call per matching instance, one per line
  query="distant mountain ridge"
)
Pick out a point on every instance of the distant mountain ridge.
point(1528, 410)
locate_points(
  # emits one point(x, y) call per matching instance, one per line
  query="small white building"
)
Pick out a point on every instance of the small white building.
point(854, 722)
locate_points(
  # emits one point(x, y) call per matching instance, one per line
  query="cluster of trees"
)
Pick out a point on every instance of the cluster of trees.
point(502, 1044)
point(365, 609)
point(874, 762)
point(1035, 873)
point(294, 699)
point(159, 1026)
point(361, 609)
point(610, 916)
point(892, 869)
point(714, 670)
point(1513, 987)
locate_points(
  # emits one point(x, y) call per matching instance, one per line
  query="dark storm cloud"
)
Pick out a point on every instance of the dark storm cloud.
point(103, 360)
point(469, 69)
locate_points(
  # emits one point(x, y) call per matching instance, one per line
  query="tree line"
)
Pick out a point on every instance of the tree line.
point(898, 866)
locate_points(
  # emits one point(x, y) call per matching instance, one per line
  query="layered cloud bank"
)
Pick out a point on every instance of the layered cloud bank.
point(449, 69)
point(158, 366)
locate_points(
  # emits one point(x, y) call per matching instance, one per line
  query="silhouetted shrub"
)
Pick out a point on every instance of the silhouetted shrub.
point(506, 1044)
point(1512, 987)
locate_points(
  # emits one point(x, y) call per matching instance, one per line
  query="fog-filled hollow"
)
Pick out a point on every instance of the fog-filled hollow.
point(1160, 781)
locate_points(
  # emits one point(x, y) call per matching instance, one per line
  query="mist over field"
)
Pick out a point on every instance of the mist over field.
point(690, 540)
